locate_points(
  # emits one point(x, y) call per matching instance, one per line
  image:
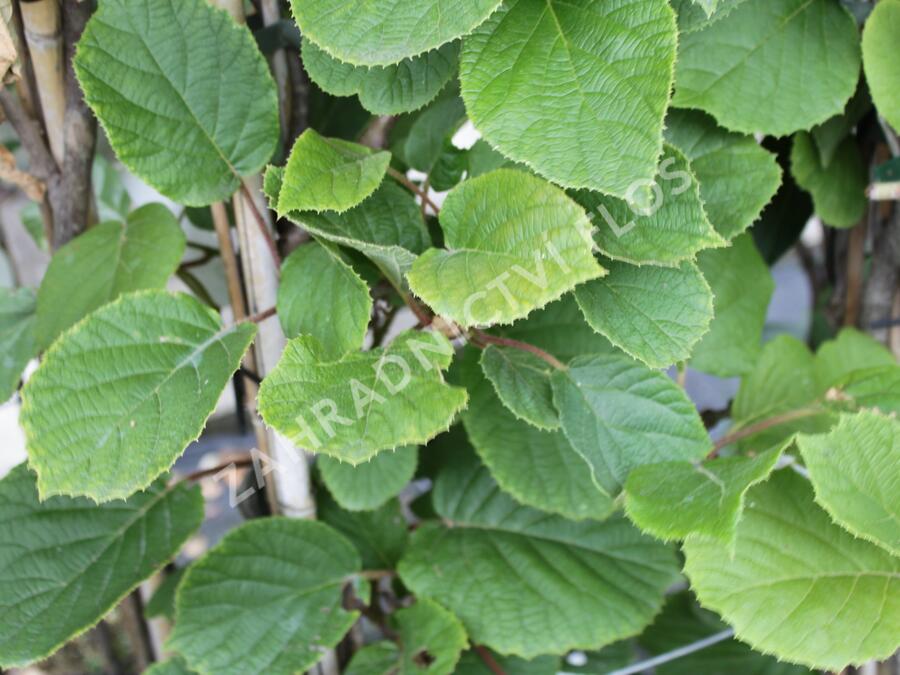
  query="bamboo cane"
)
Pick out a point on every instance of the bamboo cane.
point(42, 22)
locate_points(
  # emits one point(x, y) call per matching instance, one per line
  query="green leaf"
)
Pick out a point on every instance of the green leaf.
point(391, 90)
point(113, 200)
point(419, 139)
point(538, 468)
point(371, 484)
point(379, 535)
point(517, 577)
point(162, 77)
point(655, 314)
point(64, 563)
point(742, 287)
point(682, 622)
point(430, 641)
point(766, 68)
point(172, 666)
point(691, 16)
point(838, 191)
point(877, 388)
point(105, 262)
point(266, 599)
point(321, 295)
point(118, 398)
point(672, 500)
point(798, 586)
point(831, 133)
point(850, 351)
point(576, 90)
point(663, 222)
point(854, 472)
point(387, 227)
point(879, 46)
point(329, 174)
point(515, 243)
point(618, 414)
point(18, 343)
point(382, 32)
point(522, 382)
point(162, 602)
point(737, 176)
point(471, 663)
point(354, 407)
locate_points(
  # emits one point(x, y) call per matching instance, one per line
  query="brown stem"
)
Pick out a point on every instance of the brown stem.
point(489, 660)
point(763, 425)
point(263, 226)
point(206, 473)
point(421, 313)
point(488, 339)
point(426, 200)
point(259, 317)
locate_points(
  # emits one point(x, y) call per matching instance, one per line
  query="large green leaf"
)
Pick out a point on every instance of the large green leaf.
point(354, 407)
point(655, 314)
point(673, 500)
point(401, 88)
point(849, 352)
point(742, 287)
point(879, 46)
point(118, 398)
point(171, 666)
point(321, 295)
point(65, 562)
point(854, 470)
point(538, 468)
point(663, 222)
point(371, 484)
point(104, 262)
point(527, 583)
point(430, 640)
point(619, 414)
point(379, 535)
point(164, 77)
point(266, 599)
point(18, 342)
point(839, 190)
point(798, 586)
point(329, 174)
point(382, 32)
point(515, 243)
point(577, 90)
point(387, 227)
point(877, 388)
point(765, 67)
point(522, 382)
point(737, 176)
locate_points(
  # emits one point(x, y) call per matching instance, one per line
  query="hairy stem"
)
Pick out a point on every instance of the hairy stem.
point(763, 425)
point(422, 194)
point(482, 339)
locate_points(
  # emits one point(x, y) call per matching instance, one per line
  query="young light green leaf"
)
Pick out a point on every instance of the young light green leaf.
point(159, 75)
point(391, 90)
point(793, 570)
point(538, 468)
point(838, 191)
point(879, 46)
point(282, 579)
point(850, 351)
point(118, 398)
point(18, 343)
point(430, 642)
point(855, 470)
point(354, 407)
point(662, 222)
point(522, 382)
point(387, 227)
point(877, 388)
point(383, 32)
point(605, 73)
point(737, 176)
point(771, 52)
point(742, 287)
point(329, 174)
point(64, 563)
point(105, 262)
point(321, 295)
point(674, 500)
point(655, 314)
point(371, 484)
point(515, 243)
point(379, 535)
point(618, 414)
point(517, 576)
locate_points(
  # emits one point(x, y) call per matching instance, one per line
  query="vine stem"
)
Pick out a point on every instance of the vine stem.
point(206, 473)
point(259, 317)
point(263, 227)
point(761, 426)
point(488, 339)
point(489, 660)
point(423, 195)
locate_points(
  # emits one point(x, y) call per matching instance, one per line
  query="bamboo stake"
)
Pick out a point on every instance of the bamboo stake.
point(43, 33)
